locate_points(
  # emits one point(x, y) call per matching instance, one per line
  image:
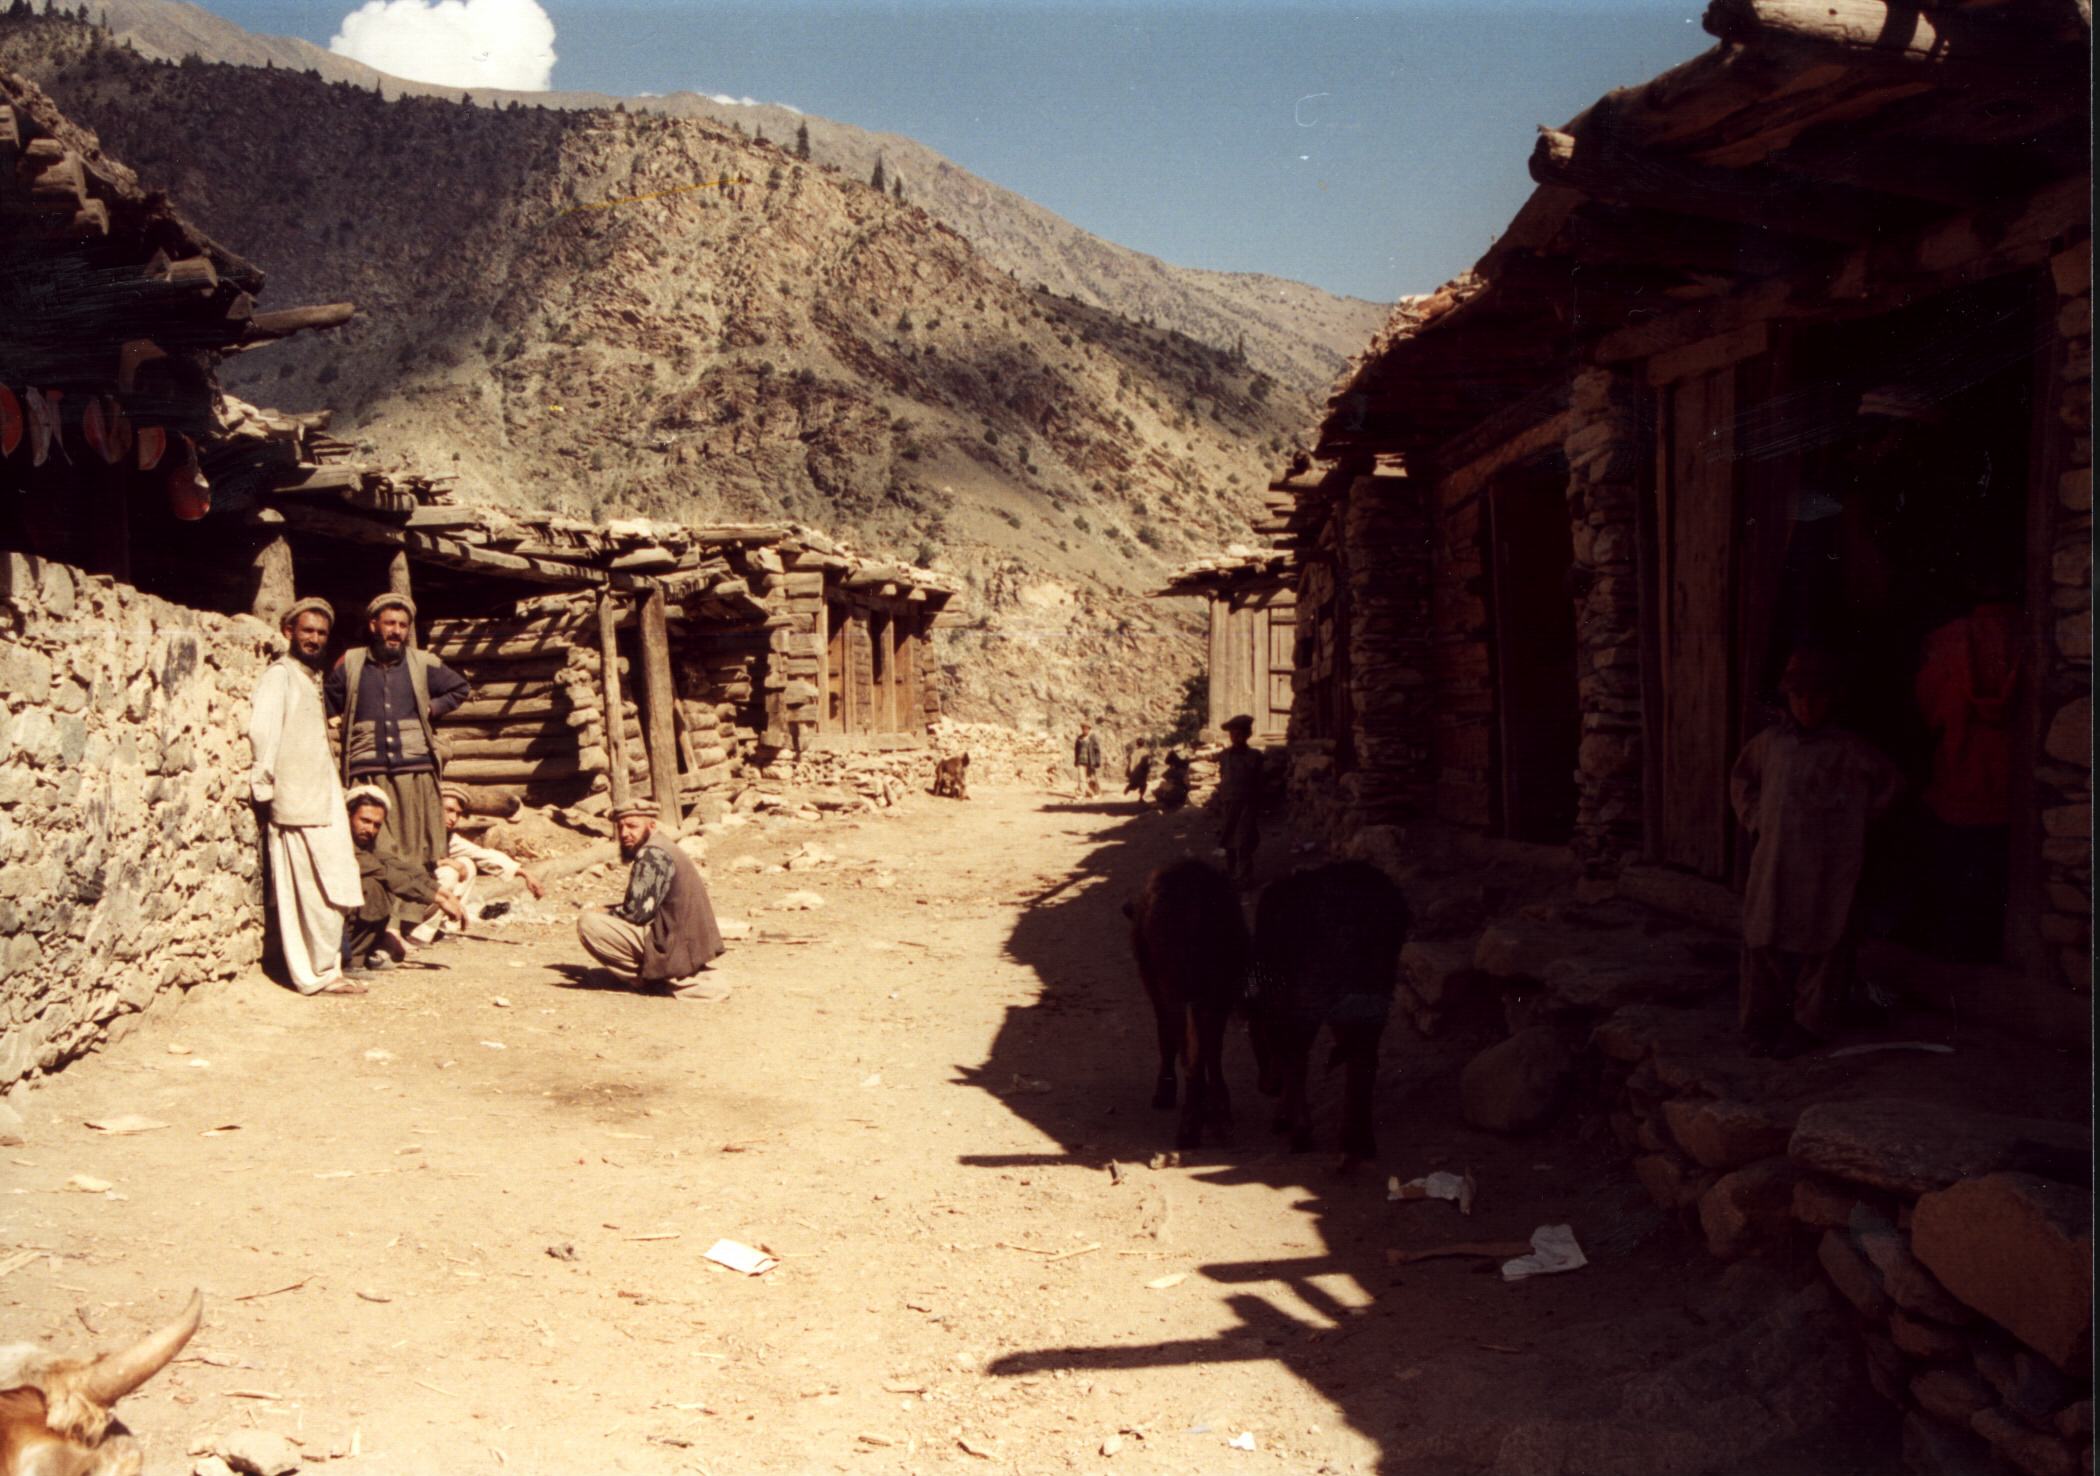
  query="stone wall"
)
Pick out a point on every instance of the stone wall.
point(128, 856)
point(1385, 529)
point(1608, 436)
point(2067, 715)
point(1462, 666)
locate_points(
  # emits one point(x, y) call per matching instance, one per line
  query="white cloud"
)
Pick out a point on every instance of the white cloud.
point(454, 43)
point(730, 102)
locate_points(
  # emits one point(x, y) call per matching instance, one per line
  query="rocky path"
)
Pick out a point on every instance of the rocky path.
point(460, 1224)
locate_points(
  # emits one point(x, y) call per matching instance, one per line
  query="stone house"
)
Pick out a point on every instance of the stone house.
point(1790, 346)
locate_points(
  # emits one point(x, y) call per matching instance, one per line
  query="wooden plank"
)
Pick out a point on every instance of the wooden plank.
point(609, 666)
point(1698, 598)
point(1710, 354)
point(265, 327)
point(316, 481)
point(662, 695)
point(505, 709)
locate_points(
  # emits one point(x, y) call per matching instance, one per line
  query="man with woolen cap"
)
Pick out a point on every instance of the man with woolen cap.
point(662, 934)
point(306, 834)
point(390, 696)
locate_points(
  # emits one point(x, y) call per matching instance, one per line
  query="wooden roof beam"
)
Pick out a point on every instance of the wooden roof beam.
point(1766, 199)
point(1605, 234)
point(2014, 47)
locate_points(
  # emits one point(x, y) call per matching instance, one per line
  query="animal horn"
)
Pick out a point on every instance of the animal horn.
point(117, 1374)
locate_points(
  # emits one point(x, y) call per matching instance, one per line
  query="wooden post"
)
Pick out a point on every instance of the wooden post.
point(615, 732)
point(274, 592)
point(662, 696)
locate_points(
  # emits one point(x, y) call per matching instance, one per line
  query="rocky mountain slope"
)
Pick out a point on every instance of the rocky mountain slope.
point(787, 343)
point(1297, 334)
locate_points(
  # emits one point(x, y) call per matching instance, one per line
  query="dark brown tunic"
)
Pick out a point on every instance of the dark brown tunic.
point(668, 900)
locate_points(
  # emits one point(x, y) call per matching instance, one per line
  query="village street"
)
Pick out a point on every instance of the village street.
point(459, 1224)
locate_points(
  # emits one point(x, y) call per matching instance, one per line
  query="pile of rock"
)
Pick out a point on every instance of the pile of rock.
point(1005, 755)
point(827, 780)
point(1968, 1269)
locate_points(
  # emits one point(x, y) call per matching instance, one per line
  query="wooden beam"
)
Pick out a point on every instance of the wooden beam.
point(269, 327)
point(662, 694)
point(1609, 169)
point(1504, 425)
point(1606, 234)
point(274, 593)
point(2011, 46)
point(609, 667)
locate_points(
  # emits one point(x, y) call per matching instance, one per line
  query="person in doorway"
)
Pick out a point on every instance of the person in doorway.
point(1965, 691)
point(306, 834)
point(390, 696)
point(1086, 761)
point(662, 935)
point(464, 861)
point(392, 886)
point(1806, 790)
point(1237, 803)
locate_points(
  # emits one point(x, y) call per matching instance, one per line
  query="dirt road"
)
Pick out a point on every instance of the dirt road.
point(459, 1224)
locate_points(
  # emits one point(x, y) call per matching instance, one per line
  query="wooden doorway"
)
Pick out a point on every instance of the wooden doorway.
point(1537, 707)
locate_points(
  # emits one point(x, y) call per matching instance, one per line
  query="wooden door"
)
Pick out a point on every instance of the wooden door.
point(1537, 708)
point(1695, 520)
point(1283, 636)
point(838, 669)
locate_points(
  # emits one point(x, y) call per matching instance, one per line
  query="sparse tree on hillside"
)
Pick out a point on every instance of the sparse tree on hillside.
point(897, 187)
point(878, 179)
point(802, 140)
point(758, 135)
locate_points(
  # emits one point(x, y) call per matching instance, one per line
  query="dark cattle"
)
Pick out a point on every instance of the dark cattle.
point(1191, 947)
point(1325, 945)
point(1139, 776)
point(1173, 791)
point(951, 777)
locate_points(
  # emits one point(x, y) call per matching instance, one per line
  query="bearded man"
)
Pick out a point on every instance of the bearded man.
point(306, 835)
point(390, 696)
point(663, 933)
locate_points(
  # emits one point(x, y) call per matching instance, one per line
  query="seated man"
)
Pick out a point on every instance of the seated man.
point(391, 884)
point(464, 860)
point(663, 933)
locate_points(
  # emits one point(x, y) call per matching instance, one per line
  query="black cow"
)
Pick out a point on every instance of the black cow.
point(1326, 942)
point(951, 777)
point(1191, 947)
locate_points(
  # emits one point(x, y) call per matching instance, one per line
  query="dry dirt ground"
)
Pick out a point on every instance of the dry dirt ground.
point(460, 1224)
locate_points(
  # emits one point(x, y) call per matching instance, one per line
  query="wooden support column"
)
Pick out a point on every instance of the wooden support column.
point(274, 591)
point(662, 696)
point(615, 730)
point(397, 575)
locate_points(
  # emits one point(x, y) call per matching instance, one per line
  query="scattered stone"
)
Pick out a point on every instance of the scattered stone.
point(2075, 1421)
point(1849, 1271)
point(2026, 1447)
point(1752, 1206)
point(259, 1453)
point(1929, 1450)
point(1951, 1394)
point(2027, 1384)
point(732, 928)
point(1111, 1445)
point(210, 1465)
point(1905, 1279)
point(1670, 1181)
point(799, 902)
point(747, 863)
point(1726, 1135)
point(1912, 1148)
point(2018, 1249)
point(1518, 1086)
point(1925, 1340)
point(1823, 1205)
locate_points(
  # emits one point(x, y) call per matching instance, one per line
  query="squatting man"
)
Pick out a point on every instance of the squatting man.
point(661, 936)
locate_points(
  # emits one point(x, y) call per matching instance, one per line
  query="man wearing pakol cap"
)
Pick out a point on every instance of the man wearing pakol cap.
point(391, 886)
point(306, 834)
point(390, 696)
point(662, 934)
point(1086, 760)
point(1807, 790)
point(464, 860)
point(1237, 803)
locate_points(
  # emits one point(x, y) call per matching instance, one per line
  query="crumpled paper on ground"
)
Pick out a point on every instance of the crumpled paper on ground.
point(1455, 1187)
point(1553, 1248)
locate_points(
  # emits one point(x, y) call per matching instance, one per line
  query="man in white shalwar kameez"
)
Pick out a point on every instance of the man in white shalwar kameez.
point(313, 868)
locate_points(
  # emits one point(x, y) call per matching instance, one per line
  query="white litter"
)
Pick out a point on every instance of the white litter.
point(1458, 1188)
point(739, 1257)
point(1242, 1441)
point(1553, 1249)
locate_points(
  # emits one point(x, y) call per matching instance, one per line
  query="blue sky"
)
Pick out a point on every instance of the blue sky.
point(1371, 149)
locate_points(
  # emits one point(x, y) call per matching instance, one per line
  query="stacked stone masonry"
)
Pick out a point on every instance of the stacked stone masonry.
point(1969, 1278)
point(1461, 664)
point(128, 857)
point(1386, 530)
point(1608, 437)
point(2066, 772)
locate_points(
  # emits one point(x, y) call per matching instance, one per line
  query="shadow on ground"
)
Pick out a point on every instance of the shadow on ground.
point(1653, 1358)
